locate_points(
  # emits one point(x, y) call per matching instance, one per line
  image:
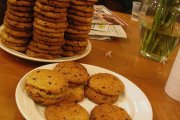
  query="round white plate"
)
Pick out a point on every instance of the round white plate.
point(24, 56)
point(134, 101)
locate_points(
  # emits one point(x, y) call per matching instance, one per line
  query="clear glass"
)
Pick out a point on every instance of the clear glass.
point(160, 28)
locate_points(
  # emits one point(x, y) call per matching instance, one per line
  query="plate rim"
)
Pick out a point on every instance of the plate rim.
point(61, 59)
point(130, 83)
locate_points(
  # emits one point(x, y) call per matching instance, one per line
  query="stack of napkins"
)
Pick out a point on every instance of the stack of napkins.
point(106, 25)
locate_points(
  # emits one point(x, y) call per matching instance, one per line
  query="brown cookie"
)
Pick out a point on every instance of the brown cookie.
point(38, 50)
point(47, 29)
point(80, 18)
point(48, 34)
point(78, 37)
point(50, 14)
point(106, 84)
point(19, 25)
point(21, 3)
point(20, 13)
point(53, 25)
point(67, 111)
point(50, 8)
point(47, 39)
point(17, 48)
point(34, 54)
point(71, 21)
point(45, 47)
point(73, 72)
point(76, 31)
point(49, 19)
point(60, 4)
point(20, 8)
point(79, 13)
point(109, 112)
point(76, 94)
point(76, 43)
point(17, 33)
point(60, 43)
point(83, 8)
point(13, 39)
point(18, 18)
point(80, 27)
point(99, 98)
point(46, 80)
point(82, 2)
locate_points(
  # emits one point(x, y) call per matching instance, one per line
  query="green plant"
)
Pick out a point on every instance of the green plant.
point(160, 35)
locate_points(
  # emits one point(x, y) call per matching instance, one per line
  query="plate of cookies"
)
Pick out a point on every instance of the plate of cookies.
point(71, 90)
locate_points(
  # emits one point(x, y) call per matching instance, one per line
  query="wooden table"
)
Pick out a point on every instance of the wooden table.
point(148, 75)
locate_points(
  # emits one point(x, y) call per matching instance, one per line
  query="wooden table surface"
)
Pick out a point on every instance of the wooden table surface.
point(148, 75)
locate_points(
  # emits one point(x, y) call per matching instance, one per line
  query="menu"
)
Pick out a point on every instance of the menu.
point(105, 24)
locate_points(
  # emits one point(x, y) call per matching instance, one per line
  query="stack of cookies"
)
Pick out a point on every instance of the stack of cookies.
point(77, 76)
point(80, 15)
point(18, 24)
point(46, 87)
point(104, 88)
point(50, 22)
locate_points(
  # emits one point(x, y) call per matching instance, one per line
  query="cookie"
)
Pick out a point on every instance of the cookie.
point(44, 47)
point(106, 84)
point(12, 39)
point(20, 8)
point(47, 80)
point(50, 14)
point(82, 3)
point(18, 18)
point(73, 48)
point(80, 27)
point(47, 56)
point(17, 33)
point(80, 18)
point(17, 48)
point(73, 72)
point(4, 41)
point(76, 31)
point(47, 39)
point(49, 19)
point(79, 13)
point(47, 29)
point(71, 21)
point(59, 25)
point(38, 50)
point(19, 25)
point(83, 8)
point(20, 13)
point(34, 54)
point(48, 34)
point(76, 94)
point(21, 3)
point(67, 53)
point(99, 98)
point(66, 111)
point(49, 43)
point(76, 43)
point(40, 93)
point(78, 37)
point(50, 8)
point(109, 112)
point(61, 4)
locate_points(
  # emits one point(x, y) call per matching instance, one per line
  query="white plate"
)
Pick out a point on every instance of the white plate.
point(24, 56)
point(134, 102)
